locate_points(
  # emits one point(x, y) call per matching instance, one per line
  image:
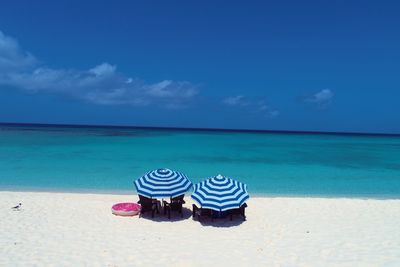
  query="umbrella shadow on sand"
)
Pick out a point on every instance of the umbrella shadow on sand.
point(187, 214)
point(175, 216)
point(221, 222)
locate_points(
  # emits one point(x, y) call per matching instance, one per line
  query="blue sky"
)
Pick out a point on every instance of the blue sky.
point(288, 65)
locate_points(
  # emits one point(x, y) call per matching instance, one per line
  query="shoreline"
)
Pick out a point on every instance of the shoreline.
point(252, 194)
point(78, 229)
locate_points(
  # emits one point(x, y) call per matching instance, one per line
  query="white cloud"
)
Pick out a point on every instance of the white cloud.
point(238, 100)
point(251, 105)
point(101, 84)
point(169, 88)
point(266, 109)
point(321, 97)
point(103, 69)
point(12, 57)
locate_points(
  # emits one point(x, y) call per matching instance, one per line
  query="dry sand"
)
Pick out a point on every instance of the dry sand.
point(63, 229)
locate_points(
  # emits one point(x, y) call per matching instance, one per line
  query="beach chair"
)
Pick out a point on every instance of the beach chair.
point(201, 212)
point(175, 204)
point(239, 211)
point(149, 204)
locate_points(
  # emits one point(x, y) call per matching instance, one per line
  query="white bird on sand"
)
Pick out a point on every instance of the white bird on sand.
point(17, 207)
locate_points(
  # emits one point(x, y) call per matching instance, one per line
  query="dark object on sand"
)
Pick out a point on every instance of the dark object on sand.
point(17, 207)
point(175, 204)
point(239, 211)
point(201, 212)
point(148, 204)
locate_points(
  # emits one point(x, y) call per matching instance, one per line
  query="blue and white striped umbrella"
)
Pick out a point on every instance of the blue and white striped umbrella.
point(220, 193)
point(162, 183)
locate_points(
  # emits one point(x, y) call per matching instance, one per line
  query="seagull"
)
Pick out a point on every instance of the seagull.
point(17, 207)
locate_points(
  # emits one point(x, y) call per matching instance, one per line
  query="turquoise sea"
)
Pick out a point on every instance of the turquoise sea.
point(108, 159)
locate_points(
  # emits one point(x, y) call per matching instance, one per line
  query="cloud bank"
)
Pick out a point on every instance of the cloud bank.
point(102, 84)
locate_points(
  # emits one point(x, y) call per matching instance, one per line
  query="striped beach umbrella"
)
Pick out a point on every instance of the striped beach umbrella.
point(220, 193)
point(162, 183)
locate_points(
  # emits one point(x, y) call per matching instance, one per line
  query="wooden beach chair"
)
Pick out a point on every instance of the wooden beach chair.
point(239, 211)
point(201, 212)
point(175, 204)
point(149, 204)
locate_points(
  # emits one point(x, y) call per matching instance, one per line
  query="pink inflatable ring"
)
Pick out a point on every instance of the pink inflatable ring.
point(126, 209)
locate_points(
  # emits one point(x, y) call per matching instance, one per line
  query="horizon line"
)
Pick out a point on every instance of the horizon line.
point(66, 125)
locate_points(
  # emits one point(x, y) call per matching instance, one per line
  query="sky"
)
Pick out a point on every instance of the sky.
point(282, 65)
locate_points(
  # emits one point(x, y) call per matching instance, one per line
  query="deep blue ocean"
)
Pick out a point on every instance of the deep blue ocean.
point(109, 159)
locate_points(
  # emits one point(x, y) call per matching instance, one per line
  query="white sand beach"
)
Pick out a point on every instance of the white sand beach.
point(65, 229)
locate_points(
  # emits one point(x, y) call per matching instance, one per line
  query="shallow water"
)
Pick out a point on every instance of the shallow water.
point(109, 159)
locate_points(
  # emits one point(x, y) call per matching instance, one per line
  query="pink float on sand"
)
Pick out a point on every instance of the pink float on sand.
point(126, 209)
